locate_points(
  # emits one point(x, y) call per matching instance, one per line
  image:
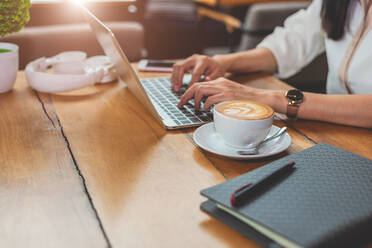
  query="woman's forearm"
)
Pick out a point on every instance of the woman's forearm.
point(354, 110)
point(260, 59)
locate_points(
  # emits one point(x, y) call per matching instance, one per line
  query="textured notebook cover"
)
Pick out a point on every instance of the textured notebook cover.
point(325, 202)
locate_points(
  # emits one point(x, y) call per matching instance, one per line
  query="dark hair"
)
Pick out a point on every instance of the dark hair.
point(334, 14)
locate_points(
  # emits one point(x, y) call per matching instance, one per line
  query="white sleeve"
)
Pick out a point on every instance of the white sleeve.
point(297, 43)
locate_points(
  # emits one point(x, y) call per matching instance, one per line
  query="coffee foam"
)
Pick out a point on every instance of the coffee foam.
point(245, 110)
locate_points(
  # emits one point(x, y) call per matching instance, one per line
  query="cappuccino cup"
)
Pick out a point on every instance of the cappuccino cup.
point(242, 124)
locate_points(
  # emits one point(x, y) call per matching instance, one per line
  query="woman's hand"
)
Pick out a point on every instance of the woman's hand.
point(222, 89)
point(201, 65)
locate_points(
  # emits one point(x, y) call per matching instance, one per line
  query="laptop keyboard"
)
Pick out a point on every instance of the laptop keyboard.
point(159, 90)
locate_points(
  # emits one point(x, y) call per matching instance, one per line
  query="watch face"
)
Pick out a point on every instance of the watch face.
point(295, 95)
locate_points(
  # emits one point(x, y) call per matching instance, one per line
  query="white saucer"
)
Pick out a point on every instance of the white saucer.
point(207, 138)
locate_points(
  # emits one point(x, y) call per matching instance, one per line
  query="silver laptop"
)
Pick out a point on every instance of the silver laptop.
point(154, 93)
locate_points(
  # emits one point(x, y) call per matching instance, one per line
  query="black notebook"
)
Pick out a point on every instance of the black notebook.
point(325, 201)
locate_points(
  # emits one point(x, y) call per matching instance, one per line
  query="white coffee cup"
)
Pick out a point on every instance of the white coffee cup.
point(9, 64)
point(242, 124)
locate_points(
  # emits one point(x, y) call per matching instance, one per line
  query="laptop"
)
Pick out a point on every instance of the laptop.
point(154, 93)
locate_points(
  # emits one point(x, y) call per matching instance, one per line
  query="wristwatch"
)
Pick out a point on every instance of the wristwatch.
point(295, 98)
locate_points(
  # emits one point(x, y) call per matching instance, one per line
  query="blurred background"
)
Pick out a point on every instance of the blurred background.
point(162, 29)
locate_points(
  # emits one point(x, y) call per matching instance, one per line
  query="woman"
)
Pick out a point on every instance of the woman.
point(339, 27)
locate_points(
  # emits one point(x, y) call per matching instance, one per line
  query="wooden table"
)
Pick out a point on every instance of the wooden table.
point(92, 168)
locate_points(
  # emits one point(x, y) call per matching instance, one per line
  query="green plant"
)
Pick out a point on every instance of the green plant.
point(14, 14)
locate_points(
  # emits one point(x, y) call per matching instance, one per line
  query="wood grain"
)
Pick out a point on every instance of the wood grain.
point(144, 181)
point(42, 199)
point(233, 168)
point(353, 139)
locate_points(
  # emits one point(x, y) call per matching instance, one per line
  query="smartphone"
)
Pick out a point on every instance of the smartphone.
point(155, 65)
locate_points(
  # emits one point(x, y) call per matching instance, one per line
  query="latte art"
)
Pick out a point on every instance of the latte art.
point(245, 110)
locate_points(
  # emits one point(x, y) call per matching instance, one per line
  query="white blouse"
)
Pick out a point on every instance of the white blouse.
point(349, 59)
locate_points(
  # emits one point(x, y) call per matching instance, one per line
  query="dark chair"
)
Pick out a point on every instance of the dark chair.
point(261, 20)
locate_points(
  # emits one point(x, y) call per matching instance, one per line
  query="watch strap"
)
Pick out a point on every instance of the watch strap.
point(295, 98)
point(292, 110)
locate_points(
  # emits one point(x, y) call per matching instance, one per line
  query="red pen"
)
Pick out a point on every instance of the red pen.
point(239, 194)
